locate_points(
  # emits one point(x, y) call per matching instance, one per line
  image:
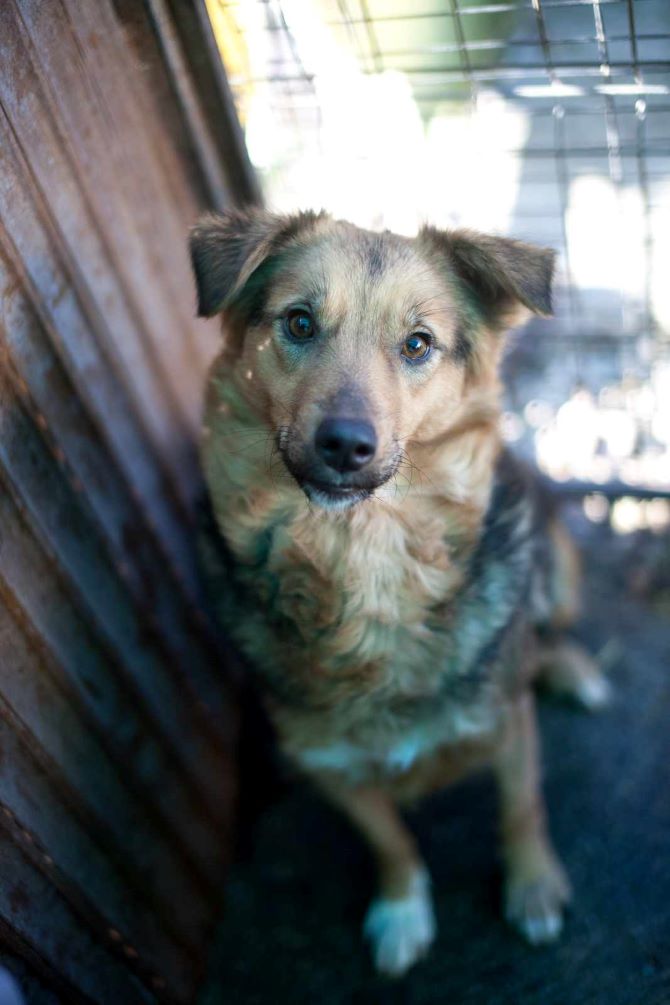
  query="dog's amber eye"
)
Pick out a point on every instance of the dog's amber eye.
point(415, 347)
point(300, 324)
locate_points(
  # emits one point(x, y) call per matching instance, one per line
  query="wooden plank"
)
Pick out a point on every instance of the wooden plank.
point(82, 871)
point(33, 908)
point(178, 141)
point(196, 788)
point(42, 159)
point(124, 182)
point(103, 798)
point(98, 686)
point(171, 137)
point(163, 208)
point(92, 474)
point(204, 63)
point(39, 983)
point(89, 367)
point(213, 173)
point(58, 516)
point(116, 727)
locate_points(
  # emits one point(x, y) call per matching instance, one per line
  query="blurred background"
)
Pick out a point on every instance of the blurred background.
point(547, 121)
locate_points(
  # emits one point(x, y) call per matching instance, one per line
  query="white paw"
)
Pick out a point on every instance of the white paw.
point(542, 927)
point(593, 692)
point(401, 930)
point(535, 907)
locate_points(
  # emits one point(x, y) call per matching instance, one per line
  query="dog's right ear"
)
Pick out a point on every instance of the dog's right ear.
point(228, 248)
point(506, 279)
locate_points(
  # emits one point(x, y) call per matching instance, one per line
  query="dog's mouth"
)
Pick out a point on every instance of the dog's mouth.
point(331, 489)
point(334, 496)
point(339, 492)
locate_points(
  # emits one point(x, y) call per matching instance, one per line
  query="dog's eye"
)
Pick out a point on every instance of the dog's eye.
point(415, 347)
point(299, 324)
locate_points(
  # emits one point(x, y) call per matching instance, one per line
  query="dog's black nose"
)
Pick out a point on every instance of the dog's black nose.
point(345, 444)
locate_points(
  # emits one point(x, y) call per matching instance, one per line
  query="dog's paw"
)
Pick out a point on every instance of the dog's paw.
point(401, 930)
point(593, 692)
point(535, 905)
point(569, 671)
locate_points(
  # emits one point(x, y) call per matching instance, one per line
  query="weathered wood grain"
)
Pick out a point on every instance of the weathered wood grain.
point(139, 553)
point(85, 875)
point(117, 719)
point(84, 776)
point(33, 906)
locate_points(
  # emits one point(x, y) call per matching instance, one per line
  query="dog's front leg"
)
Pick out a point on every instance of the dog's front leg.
point(400, 922)
point(536, 889)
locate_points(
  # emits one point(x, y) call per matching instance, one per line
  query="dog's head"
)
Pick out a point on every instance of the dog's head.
point(355, 344)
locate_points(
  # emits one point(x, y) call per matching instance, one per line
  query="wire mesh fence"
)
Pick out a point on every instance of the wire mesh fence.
point(548, 120)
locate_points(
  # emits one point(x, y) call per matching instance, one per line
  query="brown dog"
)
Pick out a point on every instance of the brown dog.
point(388, 570)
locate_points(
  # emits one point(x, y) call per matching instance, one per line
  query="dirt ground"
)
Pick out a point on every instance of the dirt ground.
point(291, 932)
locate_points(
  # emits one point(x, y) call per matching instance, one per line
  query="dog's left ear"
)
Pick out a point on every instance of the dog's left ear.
point(503, 276)
point(228, 248)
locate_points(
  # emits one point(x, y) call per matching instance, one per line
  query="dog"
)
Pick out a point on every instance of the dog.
point(389, 570)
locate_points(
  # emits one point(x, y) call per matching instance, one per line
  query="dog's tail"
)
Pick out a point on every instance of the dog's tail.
point(564, 578)
point(564, 666)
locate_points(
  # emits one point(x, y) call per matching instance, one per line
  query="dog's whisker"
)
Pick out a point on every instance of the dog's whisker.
point(246, 448)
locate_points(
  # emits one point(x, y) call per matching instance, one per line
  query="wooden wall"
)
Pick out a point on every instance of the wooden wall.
point(116, 775)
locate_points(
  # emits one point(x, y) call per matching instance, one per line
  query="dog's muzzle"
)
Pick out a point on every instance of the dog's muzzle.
point(340, 467)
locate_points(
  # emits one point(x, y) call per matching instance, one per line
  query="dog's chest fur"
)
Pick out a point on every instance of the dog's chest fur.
point(356, 621)
point(344, 612)
point(347, 594)
point(367, 577)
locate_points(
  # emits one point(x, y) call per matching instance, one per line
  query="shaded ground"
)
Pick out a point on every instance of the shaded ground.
point(292, 927)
